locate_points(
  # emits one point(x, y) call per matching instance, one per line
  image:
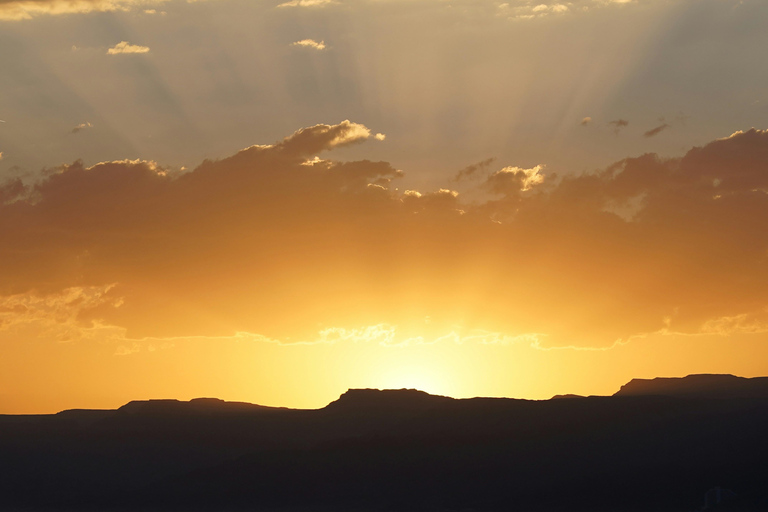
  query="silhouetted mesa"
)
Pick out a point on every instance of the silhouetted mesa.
point(194, 406)
point(661, 444)
point(377, 399)
point(703, 386)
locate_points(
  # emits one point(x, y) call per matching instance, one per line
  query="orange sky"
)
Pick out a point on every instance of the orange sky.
point(278, 277)
point(527, 198)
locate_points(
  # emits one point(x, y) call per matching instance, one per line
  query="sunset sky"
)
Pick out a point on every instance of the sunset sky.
point(274, 202)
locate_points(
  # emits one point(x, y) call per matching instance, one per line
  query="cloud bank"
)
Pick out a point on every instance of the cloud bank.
point(277, 241)
point(14, 10)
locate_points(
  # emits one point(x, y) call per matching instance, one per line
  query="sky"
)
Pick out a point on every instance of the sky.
point(273, 202)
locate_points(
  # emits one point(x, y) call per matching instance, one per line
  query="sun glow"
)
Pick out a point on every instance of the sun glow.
point(415, 376)
point(560, 225)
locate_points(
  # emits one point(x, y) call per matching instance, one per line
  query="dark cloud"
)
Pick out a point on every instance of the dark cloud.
point(276, 242)
point(655, 131)
point(618, 124)
point(10, 190)
point(471, 171)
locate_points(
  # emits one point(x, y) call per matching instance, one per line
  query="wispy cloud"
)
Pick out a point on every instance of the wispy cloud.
point(126, 47)
point(310, 43)
point(14, 10)
point(655, 131)
point(516, 10)
point(472, 171)
point(307, 3)
point(81, 126)
point(618, 124)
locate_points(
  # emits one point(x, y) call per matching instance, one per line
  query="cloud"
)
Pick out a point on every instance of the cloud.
point(11, 189)
point(551, 8)
point(655, 131)
point(308, 3)
point(321, 137)
point(64, 316)
point(14, 10)
point(618, 124)
point(272, 240)
point(126, 350)
point(383, 334)
point(310, 43)
point(81, 126)
point(471, 171)
point(125, 47)
point(527, 11)
point(515, 179)
point(56, 314)
point(737, 324)
point(585, 121)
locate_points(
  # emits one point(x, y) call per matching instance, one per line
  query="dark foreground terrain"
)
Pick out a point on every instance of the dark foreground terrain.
point(655, 445)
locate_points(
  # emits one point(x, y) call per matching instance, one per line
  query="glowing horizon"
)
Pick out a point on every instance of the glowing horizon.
point(274, 203)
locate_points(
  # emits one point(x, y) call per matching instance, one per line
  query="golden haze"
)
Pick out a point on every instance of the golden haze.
point(279, 277)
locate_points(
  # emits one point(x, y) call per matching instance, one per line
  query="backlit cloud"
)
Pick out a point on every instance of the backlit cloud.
point(518, 10)
point(261, 242)
point(27, 9)
point(307, 3)
point(81, 126)
point(314, 139)
point(57, 313)
point(514, 179)
point(126, 47)
point(310, 43)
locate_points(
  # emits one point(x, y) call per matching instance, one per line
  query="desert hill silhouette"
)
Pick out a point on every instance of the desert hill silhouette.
point(657, 444)
point(702, 385)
